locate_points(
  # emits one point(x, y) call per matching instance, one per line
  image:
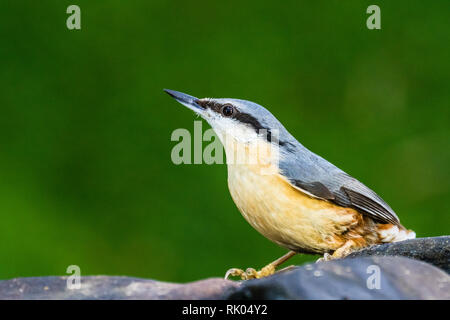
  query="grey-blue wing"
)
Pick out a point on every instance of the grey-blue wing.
point(318, 177)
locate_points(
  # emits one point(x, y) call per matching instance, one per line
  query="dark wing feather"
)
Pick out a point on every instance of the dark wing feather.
point(316, 176)
point(378, 211)
point(316, 188)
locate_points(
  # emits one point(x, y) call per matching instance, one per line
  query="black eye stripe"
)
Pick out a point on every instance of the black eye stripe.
point(208, 104)
point(249, 119)
point(239, 116)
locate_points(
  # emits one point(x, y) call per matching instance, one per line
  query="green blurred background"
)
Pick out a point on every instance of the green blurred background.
point(86, 176)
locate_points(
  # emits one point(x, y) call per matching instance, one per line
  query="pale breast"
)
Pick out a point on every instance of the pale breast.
point(284, 214)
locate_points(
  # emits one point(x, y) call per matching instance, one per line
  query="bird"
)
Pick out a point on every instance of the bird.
point(290, 195)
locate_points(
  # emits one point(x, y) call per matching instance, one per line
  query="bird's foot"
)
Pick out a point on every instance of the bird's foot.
point(251, 273)
point(326, 257)
point(341, 252)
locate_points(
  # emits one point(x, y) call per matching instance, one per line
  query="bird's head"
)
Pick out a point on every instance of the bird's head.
point(241, 120)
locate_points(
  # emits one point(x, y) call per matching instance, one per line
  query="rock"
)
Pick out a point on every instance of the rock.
point(400, 278)
point(107, 288)
point(432, 250)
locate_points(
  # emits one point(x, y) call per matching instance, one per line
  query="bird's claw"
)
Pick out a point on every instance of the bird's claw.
point(326, 257)
point(234, 272)
point(250, 273)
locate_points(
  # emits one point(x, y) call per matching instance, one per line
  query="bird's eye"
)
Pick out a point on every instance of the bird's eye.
point(227, 110)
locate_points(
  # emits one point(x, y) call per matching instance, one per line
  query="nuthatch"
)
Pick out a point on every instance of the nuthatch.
point(305, 203)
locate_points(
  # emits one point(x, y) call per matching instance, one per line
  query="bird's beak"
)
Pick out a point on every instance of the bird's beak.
point(186, 100)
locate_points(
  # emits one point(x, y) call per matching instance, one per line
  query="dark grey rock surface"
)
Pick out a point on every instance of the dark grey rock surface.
point(108, 288)
point(352, 278)
point(434, 250)
point(400, 277)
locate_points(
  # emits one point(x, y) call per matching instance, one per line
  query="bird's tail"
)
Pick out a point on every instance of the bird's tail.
point(393, 233)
